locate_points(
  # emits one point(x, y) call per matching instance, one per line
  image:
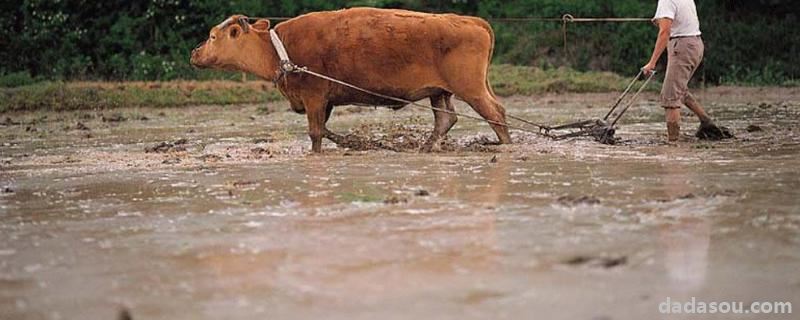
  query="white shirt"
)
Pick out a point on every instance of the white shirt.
point(683, 14)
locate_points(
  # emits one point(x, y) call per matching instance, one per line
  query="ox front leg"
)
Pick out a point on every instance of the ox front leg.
point(316, 114)
point(444, 119)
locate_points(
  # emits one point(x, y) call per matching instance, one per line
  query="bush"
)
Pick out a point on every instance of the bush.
point(59, 96)
point(16, 79)
point(747, 41)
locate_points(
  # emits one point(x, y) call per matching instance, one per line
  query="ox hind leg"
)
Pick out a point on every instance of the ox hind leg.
point(443, 121)
point(330, 135)
point(488, 107)
point(467, 79)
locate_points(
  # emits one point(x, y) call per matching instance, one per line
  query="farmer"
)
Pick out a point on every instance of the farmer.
point(679, 32)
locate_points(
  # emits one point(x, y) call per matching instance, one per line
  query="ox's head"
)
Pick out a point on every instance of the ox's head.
point(232, 45)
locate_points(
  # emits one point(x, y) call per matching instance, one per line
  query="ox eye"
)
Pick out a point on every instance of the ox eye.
point(213, 37)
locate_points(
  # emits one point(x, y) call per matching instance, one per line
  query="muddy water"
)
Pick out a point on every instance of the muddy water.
point(239, 222)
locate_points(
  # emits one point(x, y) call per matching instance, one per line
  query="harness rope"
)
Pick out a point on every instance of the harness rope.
point(598, 128)
point(287, 66)
point(565, 20)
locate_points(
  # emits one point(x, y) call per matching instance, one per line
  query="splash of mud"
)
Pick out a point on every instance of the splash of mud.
point(397, 137)
point(407, 137)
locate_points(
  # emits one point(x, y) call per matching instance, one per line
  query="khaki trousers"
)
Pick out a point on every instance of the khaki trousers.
point(685, 56)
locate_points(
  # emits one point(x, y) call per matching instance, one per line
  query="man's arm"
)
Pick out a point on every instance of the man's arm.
point(664, 28)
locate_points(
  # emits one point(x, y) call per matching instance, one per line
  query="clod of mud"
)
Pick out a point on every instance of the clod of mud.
point(164, 147)
point(171, 161)
point(210, 158)
point(710, 131)
point(260, 151)
point(475, 144)
point(572, 201)
point(494, 159)
point(66, 160)
point(82, 127)
point(243, 183)
point(117, 117)
point(38, 120)
point(264, 110)
point(395, 200)
point(723, 193)
point(9, 122)
point(706, 195)
point(422, 193)
point(267, 139)
point(7, 190)
point(124, 314)
point(597, 262)
point(764, 105)
point(754, 128)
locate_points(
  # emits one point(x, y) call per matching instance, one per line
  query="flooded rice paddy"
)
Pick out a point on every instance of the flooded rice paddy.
point(220, 213)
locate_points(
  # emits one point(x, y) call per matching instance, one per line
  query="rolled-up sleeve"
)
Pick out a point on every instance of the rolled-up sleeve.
point(666, 9)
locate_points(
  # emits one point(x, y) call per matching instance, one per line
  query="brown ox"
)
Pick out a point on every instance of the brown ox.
point(399, 53)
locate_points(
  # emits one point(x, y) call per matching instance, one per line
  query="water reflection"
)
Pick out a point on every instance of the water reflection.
point(685, 243)
point(375, 251)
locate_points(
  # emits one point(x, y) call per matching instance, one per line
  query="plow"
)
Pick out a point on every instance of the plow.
point(602, 130)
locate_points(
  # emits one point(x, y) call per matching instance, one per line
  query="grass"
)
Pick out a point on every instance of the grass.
point(61, 96)
point(510, 80)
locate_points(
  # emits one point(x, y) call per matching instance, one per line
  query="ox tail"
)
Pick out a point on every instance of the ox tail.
point(489, 29)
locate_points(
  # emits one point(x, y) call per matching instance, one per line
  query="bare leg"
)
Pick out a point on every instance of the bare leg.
point(695, 106)
point(708, 129)
point(673, 116)
point(443, 122)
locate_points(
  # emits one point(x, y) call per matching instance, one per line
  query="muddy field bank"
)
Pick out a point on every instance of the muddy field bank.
point(220, 212)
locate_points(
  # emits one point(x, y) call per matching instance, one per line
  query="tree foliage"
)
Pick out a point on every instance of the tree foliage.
point(747, 40)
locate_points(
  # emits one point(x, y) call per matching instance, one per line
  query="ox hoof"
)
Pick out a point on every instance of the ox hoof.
point(710, 131)
point(434, 144)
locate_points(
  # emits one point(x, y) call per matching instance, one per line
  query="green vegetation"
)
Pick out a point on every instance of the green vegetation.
point(751, 42)
point(59, 96)
point(506, 80)
point(519, 80)
point(16, 79)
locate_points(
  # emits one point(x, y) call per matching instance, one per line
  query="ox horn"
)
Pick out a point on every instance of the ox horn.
point(225, 24)
point(242, 21)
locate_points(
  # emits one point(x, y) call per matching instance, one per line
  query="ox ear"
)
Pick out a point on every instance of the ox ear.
point(261, 25)
point(234, 31)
